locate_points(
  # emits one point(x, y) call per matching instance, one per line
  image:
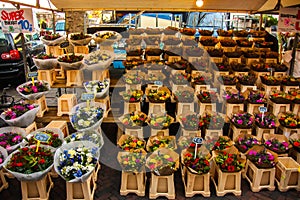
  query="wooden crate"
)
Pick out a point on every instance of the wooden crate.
point(60, 124)
point(226, 182)
point(183, 108)
point(74, 78)
point(35, 190)
point(3, 182)
point(216, 59)
point(155, 108)
point(279, 74)
point(100, 75)
point(150, 58)
point(131, 107)
point(296, 109)
point(253, 108)
point(268, 89)
point(65, 103)
point(159, 132)
point(276, 108)
point(54, 50)
point(137, 132)
point(106, 101)
point(287, 175)
point(81, 190)
point(43, 105)
point(238, 60)
point(295, 155)
point(212, 132)
point(172, 58)
point(259, 178)
point(133, 183)
point(230, 108)
point(162, 186)
point(133, 58)
point(175, 87)
point(249, 61)
point(235, 132)
point(271, 60)
point(195, 184)
point(228, 49)
point(191, 133)
point(236, 73)
point(203, 107)
point(198, 88)
point(287, 132)
point(32, 127)
point(47, 75)
point(224, 88)
point(261, 131)
point(81, 49)
point(286, 88)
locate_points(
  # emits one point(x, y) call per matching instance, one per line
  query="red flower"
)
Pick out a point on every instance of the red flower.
point(217, 144)
point(229, 160)
point(192, 145)
point(230, 168)
point(297, 144)
point(42, 161)
point(19, 164)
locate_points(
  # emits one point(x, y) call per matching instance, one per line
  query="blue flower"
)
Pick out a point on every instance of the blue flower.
point(78, 173)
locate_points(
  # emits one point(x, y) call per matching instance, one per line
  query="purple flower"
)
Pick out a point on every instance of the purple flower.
point(252, 153)
point(240, 121)
point(268, 142)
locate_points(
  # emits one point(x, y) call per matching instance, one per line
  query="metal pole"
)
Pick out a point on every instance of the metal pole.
point(24, 56)
point(53, 22)
point(294, 54)
point(260, 21)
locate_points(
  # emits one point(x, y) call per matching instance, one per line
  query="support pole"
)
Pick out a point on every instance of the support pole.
point(292, 65)
point(24, 55)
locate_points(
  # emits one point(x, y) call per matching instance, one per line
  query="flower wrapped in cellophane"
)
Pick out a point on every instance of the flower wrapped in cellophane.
point(160, 121)
point(33, 91)
point(189, 121)
point(244, 142)
point(133, 161)
point(3, 156)
point(295, 141)
point(92, 136)
point(131, 143)
point(277, 143)
point(157, 142)
point(132, 95)
point(100, 88)
point(135, 119)
point(262, 157)
point(76, 161)
point(11, 137)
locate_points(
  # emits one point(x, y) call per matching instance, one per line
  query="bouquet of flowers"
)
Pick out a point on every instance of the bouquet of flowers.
point(80, 39)
point(289, 120)
point(268, 121)
point(229, 160)
point(132, 96)
point(189, 121)
point(131, 143)
point(242, 120)
point(30, 163)
point(178, 64)
point(172, 41)
point(228, 42)
point(260, 67)
point(239, 67)
point(262, 157)
point(189, 42)
point(244, 43)
point(134, 120)
point(234, 96)
point(263, 44)
point(21, 114)
point(153, 51)
point(221, 66)
point(98, 60)
point(160, 120)
point(241, 33)
point(75, 161)
point(180, 79)
point(228, 79)
point(184, 141)
point(258, 34)
point(200, 64)
point(290, 81)
point(212, 41)
point(277, 143)
point(209, 142)
point(270, 54)
point(202, 78)
point(280, 97)
point(55, 137)
point(101, 36)
point(215, 52)
point(244, 142)
point(269, 80)
point(133, 161)
point(205, 32)
point(256, 97)
point(295, 95)
point(295, 141)
point(222, 143)
point(207, 96)
point(251, 54)
point(160, 95)
point(194, 51)
point(187, 31)
point(247, 79)
point(234, 54)
point(133, 78)
point(134, 64)
point(157, 142)
point(99, 88)
point(91, 136)
point(11, 137)
point(154, 76)
point(223, 33)
point(3, 155)
point(53, 39)
point(163, 162)
point(85, 118)
point(71, 61)
point(211, 120)
point(33, 91)
point(45, 61)
point(185, 95)
point(199, 164)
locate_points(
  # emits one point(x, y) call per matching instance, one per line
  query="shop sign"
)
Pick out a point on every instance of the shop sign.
point(289, 20)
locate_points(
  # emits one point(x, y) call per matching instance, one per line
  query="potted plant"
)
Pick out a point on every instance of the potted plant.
point(45, 61)
point(234, 96)
point(189, 121)
point(222, 143)
point(71, 61)
point(256, 97)
point(295, 96)
point(244, 142)
point(228, 79)
point(242, 120)
point(262, 157)
point(268, 120)
point(11, 137)
point(269, 80)
point(280, 97)
point(249, 79)
point(290, 81)
point(33, 90)
point(277, 143)
point(52, 39)
point(202, 78)
point(229, 162)
point(207, 96)
point(211, 121)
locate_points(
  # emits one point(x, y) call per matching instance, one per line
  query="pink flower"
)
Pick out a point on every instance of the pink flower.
point(30, 107)
point(252, 153)
point(17, 138)
point(240, 121)
point(34, 89)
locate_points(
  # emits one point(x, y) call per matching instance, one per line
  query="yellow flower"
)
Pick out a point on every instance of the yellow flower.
point(140, 143)
point(153, 161)
point(125, 162)
point(166, 156)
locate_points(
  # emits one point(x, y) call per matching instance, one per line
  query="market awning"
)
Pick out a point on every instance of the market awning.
point(272, 6)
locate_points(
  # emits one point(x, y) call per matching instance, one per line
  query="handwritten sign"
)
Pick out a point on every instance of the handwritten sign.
point(16, 21)
point(64, 44)
point(42, 137)
point(262, 109)
point(32, 74)
point(87, 96)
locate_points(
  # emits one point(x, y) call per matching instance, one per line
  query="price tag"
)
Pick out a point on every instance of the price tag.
point(158, 83)
point(32, 75)
point(41, 137)
point(87, 96)
point(197, 141)
point(214, 89)
point(262, 109)
point(64, 44)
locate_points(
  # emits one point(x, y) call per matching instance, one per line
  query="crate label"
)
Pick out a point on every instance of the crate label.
point(197, 140)
point(262, 109)
point(32, 74)
point(87, 96)
point(42, 137)
point(158, 83)
point(64, 44)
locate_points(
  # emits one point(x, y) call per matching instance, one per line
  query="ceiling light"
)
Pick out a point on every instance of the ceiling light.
point(199, 3)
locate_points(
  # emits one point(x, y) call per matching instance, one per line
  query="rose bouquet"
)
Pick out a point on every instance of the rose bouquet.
point(132, 161)
point(295, 141)
point(269, 80)
point(289, 120)
point(228, 79)
point(157, 142)
point(256, 97)
point(290, 81)
point(55, 137)
point(201, 78)
point(131, 143)
point(80, 39)
point(160, 95)
point(3, 156)
point(132, 96)
point(11, 137)
point(180, 79)
point(21, 114)
point(75, 161)
point(85, 118)
point(277, 143)
point(244, 142)
point(45, 61)
point(134, 120)
point(262, 157)
point(184, 95)
point(52, 39)
point(280, 97)
point(163, 162)
point(229, 160)
point(213, 120)
point(247, 79)
point(98, 60)
point(99, 88)
point(33, 91)
point(91, 136)
point(233, 96)
point(199, 164)
point(160, 121)
point(189, 121)
point(269, 120)
point(208, 96)
point(71, 61)
point(30, 163)
point(242, 120)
